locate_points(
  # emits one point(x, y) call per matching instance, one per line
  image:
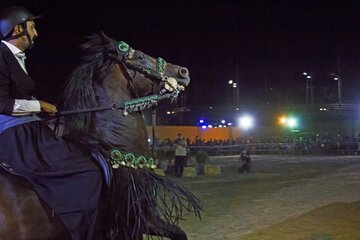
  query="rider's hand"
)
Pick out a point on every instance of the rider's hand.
point(48, 108)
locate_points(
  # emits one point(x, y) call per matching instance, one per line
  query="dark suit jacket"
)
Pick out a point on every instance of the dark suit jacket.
point(14, 82)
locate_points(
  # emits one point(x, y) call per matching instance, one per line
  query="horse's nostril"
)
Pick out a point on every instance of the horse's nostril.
point(184, 72)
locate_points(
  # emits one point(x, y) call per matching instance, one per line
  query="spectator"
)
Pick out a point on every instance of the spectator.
point(180, 155)
point(246, 162)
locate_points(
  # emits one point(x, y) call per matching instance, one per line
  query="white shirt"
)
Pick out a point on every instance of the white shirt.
point(180, 147)
point(22, 106)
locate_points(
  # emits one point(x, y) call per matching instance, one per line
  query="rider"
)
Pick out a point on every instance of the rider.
point(61, 175)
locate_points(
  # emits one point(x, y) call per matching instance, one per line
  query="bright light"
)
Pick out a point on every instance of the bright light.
point(203, 127)
point(231, 82)
point(201, 121)
point(210, 126)
point(283, 120)
point(308, 76)
point(335, 78)
point(229, 124)
point(223, 121)
point(305, 73)
point(291, 122)
point(246, 122)
point(234, 85)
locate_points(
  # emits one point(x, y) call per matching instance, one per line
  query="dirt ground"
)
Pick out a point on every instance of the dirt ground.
point(285, 197)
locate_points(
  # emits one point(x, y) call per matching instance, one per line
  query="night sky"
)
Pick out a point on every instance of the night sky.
point(264, 45)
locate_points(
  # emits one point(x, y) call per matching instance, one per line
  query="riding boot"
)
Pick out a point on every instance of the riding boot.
point(81, 225)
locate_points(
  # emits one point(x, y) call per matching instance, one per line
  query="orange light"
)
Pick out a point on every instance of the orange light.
point(283, 120)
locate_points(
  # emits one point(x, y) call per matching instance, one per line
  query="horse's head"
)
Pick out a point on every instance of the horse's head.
point(150, 75)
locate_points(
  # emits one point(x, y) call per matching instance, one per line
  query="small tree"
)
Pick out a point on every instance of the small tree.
point(165, 155)
point(201, 157)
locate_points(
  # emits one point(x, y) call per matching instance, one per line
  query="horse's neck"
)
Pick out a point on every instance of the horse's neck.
point(127, 133)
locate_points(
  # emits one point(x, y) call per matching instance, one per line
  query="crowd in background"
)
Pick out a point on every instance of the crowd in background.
point(318, 143)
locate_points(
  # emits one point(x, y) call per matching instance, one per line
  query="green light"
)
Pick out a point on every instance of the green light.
point(291, 122)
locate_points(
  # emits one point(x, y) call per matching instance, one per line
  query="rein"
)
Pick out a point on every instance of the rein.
point(130, 106)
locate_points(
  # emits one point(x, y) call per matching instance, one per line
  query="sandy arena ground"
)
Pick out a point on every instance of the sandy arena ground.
point(285, 197)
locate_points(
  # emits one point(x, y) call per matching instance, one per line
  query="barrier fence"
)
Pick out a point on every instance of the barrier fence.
point(345, 148)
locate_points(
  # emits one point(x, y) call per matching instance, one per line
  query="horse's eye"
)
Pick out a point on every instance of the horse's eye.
point(141, 57)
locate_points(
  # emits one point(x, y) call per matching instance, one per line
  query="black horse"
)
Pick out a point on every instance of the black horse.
point(109, 85)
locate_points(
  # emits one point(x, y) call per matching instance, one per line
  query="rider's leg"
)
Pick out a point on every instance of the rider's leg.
point(66, 179)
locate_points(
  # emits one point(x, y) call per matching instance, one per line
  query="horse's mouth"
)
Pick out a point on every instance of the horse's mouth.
point(171, 84)
point(179, 82)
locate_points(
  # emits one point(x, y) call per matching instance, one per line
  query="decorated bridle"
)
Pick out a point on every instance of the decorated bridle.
point(125, 53)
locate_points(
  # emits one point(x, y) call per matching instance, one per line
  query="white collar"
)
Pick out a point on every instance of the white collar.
point(12, 47)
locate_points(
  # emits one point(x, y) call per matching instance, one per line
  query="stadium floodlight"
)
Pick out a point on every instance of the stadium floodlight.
point(246, 122)
point(292, 122)
point(288, 121)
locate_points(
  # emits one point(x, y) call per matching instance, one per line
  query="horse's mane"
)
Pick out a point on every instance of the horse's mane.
point(98, 58)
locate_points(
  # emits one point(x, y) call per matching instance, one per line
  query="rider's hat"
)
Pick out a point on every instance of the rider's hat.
point(13, 16)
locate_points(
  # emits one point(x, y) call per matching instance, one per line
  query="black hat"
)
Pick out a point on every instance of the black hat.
point(13, 16)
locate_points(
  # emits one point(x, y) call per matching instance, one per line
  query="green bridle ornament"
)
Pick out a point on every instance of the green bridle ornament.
point(125, 51)
point(118, 158)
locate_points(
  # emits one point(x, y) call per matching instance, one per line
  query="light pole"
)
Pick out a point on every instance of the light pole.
point(337, 78)
point(308, 88)
point(234, 85)
point(236, 90)
point(339, 88)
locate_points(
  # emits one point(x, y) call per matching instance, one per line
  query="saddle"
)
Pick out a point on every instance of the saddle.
point(104, 165)
point(96, 155)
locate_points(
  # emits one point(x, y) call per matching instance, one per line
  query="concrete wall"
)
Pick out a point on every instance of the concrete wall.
point(163, 132)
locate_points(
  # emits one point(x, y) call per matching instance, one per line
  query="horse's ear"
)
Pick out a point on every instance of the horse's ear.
point(102, 34)
point(104, 37)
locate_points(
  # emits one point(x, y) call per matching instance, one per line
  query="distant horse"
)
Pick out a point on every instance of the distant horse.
point(136, 201)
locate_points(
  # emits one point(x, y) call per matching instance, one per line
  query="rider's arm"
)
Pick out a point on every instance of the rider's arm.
point(23, 106)
point(16, 107)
